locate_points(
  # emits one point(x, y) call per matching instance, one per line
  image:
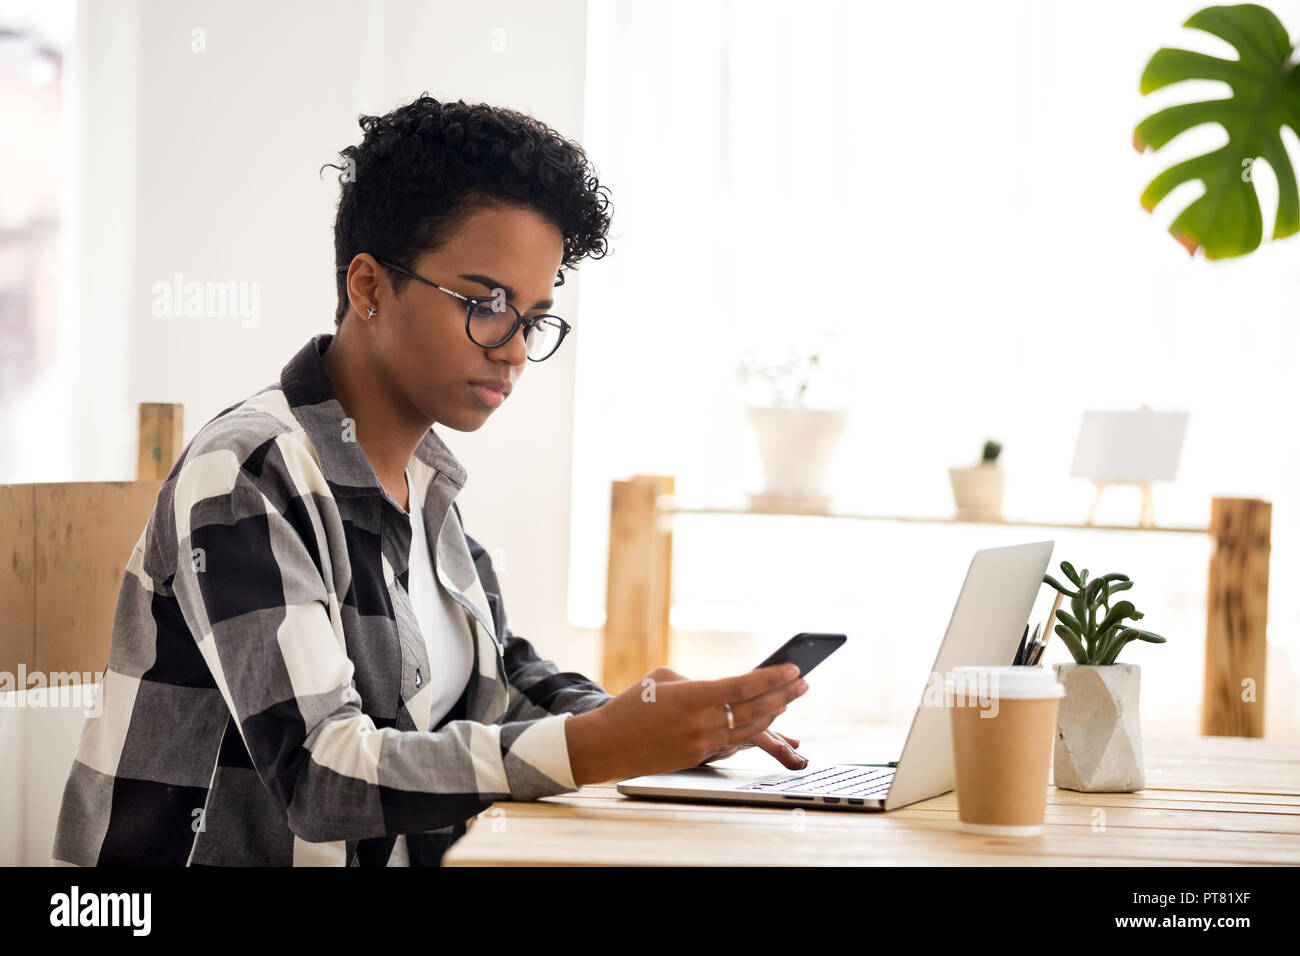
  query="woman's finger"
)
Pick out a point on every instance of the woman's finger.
point(779, 747)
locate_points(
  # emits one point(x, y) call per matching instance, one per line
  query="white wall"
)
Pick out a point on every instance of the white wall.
point(207, 164)
point(234, 192)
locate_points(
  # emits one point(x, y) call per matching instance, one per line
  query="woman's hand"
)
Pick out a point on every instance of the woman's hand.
point(778, 745)
point(666, 722)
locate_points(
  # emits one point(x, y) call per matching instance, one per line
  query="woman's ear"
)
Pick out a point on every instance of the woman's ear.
point(363, 286)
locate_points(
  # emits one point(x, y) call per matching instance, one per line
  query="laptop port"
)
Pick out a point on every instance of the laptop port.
point(854, 801)
point(804, 799)
point(830, 799)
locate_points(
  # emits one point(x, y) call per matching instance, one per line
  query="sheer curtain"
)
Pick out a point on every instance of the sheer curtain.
point(948, 193)
point(34, 90)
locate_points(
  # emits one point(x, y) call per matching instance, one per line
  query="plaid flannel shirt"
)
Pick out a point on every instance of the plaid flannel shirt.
point(266, 699)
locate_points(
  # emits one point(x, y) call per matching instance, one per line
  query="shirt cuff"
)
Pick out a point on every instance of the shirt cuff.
point(566, 770)
point(548, 753)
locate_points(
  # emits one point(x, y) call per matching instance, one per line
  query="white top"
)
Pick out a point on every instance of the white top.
point(446, 629)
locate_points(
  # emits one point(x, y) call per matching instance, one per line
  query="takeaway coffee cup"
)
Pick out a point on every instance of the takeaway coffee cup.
point(1003, 724)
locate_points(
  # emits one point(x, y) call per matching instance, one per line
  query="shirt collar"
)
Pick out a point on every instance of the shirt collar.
point(312, 399)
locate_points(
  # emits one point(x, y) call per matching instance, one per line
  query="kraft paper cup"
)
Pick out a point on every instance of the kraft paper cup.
point(1003, 724)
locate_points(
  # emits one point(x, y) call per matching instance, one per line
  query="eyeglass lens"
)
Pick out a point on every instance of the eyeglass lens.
point(490, 325)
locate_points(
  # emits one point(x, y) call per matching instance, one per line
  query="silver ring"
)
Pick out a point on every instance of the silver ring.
point(731, 718)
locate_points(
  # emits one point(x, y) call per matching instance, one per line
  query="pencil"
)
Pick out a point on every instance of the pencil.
point(1047, 631)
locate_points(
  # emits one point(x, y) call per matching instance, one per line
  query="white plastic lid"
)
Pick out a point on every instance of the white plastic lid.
point(1007, 683)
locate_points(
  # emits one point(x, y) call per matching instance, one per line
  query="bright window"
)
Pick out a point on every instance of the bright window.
point(950, 190)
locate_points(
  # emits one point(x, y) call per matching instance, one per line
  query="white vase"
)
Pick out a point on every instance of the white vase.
point(1098, 733)
point(978, 492)
point(796, 447)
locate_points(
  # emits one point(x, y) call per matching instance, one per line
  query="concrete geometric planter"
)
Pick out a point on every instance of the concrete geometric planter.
point(1098, 736)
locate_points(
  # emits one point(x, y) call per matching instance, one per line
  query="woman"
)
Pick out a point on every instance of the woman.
point(311, 662)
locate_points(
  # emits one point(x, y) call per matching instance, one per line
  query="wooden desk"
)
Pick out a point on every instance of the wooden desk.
point(1208, 801)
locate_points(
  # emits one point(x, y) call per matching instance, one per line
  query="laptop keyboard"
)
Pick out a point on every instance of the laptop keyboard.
point(831, 781)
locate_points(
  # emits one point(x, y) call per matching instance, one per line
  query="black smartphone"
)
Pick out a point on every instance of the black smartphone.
point(806, 650)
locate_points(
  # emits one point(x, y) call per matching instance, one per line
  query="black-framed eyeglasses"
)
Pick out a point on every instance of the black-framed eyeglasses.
point(491, 321)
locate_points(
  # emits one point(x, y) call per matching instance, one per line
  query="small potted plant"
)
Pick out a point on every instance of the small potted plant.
point(796, 442)
point(1098, 732)
point(978, 489)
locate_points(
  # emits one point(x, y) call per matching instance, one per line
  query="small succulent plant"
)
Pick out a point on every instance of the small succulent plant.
point(1092, 637)
point(991, 451)
point(788, 379)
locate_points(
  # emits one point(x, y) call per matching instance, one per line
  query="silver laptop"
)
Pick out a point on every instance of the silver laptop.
point(986, 627)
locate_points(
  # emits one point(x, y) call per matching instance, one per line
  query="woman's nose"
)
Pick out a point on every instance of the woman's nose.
point(514, 351)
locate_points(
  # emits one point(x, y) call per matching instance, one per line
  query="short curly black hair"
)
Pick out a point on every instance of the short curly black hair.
point(424, 168)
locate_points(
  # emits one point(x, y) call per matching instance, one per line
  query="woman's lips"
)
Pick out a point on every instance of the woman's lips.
point(488, 396)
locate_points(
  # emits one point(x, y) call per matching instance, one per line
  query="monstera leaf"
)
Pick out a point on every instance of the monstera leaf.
point(1265, 84)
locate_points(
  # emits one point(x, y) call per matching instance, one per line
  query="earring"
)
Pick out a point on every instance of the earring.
point(371, 313)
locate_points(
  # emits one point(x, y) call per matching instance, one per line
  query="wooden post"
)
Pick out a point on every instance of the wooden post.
point(661, 636)
point(1236, 618)
point(638, 593)
point(159, 443)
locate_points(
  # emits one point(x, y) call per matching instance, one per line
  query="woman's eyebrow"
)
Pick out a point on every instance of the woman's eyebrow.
point(510, 293)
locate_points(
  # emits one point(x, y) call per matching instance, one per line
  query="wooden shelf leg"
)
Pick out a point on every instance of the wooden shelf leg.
point(1237, 618)
point(638, 593)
